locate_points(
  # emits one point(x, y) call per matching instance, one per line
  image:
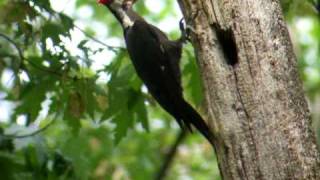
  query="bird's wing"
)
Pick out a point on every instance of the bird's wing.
point(171, 51)
point(157, 64)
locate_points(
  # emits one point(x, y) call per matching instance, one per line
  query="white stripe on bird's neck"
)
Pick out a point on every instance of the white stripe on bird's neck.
point(126, 21)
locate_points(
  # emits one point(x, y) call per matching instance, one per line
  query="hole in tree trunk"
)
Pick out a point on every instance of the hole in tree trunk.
point(228, 44)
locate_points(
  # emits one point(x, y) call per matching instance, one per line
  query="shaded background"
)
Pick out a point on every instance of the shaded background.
point(72, 107)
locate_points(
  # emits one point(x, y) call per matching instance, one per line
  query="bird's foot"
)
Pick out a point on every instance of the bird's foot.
point(186, 29)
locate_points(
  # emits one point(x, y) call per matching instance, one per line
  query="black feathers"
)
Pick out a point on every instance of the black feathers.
point(156, 60)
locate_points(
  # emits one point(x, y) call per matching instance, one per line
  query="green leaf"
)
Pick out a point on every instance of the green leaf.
point(9, 166)
point(43, 4)
point(76, 106)
point(67, 22)
point(73, 122)
point(193, 89)
point(52, 31)
point(123, 123)
point(74, 110)
point(31, 97)
point(141, 113)
point(137, 106)
point(86, 89)
point(16, 12)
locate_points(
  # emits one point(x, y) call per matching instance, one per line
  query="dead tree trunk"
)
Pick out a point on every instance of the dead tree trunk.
point(256, 105)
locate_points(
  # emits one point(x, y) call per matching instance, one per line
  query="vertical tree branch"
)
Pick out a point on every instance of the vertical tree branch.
point(170, 156)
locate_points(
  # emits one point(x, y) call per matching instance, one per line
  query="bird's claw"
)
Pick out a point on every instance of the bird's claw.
point(185, 28)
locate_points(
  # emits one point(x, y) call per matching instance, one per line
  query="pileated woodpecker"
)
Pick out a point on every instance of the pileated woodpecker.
point(156, 61)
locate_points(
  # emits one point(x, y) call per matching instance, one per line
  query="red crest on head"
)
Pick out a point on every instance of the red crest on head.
point(105, 2)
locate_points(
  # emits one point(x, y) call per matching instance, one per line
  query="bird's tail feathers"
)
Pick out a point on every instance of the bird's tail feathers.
point(190, 116)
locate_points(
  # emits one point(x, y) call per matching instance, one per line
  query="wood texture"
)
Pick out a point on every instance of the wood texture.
point(256, 107)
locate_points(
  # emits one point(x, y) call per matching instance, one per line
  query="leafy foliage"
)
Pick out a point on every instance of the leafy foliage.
point(71, 116)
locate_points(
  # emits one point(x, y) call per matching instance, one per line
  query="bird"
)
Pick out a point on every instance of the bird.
point(156, 61)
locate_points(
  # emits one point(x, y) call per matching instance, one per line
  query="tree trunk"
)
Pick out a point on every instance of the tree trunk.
point(256, 105)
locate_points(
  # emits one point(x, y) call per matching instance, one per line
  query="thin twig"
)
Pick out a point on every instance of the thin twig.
point(22, 58)
point(11, 136)
point(14, 44)
point(316, 6)
point(112, 48)
point(44, 69)
point(170, 156)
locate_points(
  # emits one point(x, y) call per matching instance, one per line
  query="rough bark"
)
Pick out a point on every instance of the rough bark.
point(256, 107)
